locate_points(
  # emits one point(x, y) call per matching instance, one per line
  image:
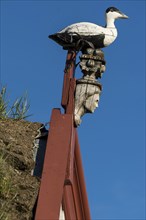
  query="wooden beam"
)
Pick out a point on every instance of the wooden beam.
point(68, 75)
point(75, 201)
point(55, 165)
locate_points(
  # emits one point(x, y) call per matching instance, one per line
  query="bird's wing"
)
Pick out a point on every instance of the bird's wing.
point(84, 28)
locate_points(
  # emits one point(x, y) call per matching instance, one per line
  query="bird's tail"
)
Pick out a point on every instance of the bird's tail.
point(61, 38)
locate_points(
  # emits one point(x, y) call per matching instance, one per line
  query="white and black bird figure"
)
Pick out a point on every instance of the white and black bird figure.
point(86, 34)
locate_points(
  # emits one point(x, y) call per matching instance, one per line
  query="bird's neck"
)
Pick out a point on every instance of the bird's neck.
point(110, 23)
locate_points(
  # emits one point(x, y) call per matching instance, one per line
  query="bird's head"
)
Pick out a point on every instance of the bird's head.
point(114, 13)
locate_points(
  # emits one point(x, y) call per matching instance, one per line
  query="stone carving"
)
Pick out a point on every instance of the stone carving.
point(88, 89)
point(92, 63)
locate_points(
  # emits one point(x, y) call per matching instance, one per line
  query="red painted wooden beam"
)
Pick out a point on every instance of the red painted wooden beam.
point(55, 165)
point(75, 201)
point(69, 82)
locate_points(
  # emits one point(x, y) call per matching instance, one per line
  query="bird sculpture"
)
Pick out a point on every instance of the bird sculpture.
point(85, 34)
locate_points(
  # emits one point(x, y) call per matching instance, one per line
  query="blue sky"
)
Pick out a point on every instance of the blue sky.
point(112, 140)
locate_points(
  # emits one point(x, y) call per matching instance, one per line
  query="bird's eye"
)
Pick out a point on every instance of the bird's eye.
point(112, 10)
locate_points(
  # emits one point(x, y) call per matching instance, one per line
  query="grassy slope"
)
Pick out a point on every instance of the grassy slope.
point(18, 189)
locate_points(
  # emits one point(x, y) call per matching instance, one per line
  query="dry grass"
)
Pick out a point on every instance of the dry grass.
point(18, 189)
point(7, 189)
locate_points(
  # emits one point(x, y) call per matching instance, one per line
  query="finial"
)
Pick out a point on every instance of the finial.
point(88, 89)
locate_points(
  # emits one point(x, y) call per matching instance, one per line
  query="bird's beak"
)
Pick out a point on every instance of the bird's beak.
point(123, 16)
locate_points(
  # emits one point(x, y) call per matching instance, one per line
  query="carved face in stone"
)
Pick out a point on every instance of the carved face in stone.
point(86, 100)
point(91, 103)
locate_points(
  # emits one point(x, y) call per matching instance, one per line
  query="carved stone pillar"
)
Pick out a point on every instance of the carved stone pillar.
point(88, 89)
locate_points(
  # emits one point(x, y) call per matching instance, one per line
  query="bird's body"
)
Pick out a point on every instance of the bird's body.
point(86, 33)
point(99, 36)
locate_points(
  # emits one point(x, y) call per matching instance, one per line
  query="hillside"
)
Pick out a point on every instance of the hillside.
point(18, 188)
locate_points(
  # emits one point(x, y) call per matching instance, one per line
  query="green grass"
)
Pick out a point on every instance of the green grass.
point(18, 110)
point(3, 104)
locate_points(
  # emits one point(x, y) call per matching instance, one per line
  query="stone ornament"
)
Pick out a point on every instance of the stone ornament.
point(92, 63)
point(88, 89)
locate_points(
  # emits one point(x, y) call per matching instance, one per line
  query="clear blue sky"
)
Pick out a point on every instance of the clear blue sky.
point(113, 138)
